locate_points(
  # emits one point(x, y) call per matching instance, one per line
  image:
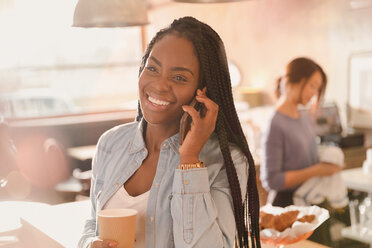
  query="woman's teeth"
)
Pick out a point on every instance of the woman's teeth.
point(158, 102)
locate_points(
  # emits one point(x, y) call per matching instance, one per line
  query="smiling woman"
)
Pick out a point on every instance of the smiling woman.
point(209, 177)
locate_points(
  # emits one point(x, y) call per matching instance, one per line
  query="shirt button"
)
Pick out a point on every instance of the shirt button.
point(151, 219)
point(156, 185)
point(186, 182)
point(165, 145)
point(143, 151)
point(170, 197)
point(117, 184)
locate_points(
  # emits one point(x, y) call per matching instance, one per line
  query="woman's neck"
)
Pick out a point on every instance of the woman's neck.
point(155, 135)
point(288, 106)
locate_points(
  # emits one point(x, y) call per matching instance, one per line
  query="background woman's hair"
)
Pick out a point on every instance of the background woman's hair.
point(303, 68)
point(214, 74)
point(278, 88)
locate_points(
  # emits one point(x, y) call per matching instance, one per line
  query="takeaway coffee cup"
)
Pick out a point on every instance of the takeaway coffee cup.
point(118, 224)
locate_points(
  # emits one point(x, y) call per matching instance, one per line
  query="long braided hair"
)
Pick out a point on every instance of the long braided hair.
point(214, 74)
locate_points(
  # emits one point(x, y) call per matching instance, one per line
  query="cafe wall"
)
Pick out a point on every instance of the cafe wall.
point(262, 36)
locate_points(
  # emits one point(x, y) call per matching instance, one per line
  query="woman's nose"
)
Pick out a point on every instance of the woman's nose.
point(162, 84)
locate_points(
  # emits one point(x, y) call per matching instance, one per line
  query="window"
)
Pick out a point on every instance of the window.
point(360, 90)
point(48, 67)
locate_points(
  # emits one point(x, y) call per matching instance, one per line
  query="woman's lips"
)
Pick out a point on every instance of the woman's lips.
point(158, 101)
point(155, 104)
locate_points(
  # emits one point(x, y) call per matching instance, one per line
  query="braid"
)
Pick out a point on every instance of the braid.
point(233, 181)
point(221, 125)
point(139, 112)
point(215, 75)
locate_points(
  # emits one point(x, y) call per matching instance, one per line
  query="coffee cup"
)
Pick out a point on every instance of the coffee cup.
point(118, 224)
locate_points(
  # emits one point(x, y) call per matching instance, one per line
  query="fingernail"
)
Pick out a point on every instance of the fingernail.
point(199, 91)
point(183, 107)
point(112, 244)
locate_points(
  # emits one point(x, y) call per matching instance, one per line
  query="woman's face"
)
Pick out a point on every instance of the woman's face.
point(169, 80)
point(311, 88)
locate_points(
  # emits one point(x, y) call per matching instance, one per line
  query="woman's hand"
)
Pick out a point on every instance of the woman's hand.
point(296, 177)
point(99, 243)
point(326, 169)
point(201, 128)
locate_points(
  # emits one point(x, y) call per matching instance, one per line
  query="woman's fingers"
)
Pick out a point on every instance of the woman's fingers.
point(192, 112)
point(210, 109)
point(203, 124)
point(211, 106)
point(103, 244)
point(208, 114)
point(208, 103)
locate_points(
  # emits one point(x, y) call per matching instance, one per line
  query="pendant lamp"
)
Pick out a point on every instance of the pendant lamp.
point(110, 13)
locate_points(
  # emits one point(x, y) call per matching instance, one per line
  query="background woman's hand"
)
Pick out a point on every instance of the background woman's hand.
point(201, 128)
point(326, 169)
point(99, 243)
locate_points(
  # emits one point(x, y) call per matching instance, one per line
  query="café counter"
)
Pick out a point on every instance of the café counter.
point(55, 226)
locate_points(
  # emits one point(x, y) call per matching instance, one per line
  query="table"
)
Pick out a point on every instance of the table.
point(10, 225)
point(355, 179)
point(58, 226)
point(62, 225)
point(347, 232)
point(70, 185)
point(33, 224)
point(301, 244)
point(82, 153)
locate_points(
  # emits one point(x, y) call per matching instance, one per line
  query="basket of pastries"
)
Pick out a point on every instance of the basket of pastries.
point(283, 226)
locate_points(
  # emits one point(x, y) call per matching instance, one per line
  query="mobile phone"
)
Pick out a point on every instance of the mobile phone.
point(186, 120)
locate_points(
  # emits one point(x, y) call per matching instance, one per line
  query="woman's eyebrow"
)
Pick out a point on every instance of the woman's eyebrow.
point(182, 69)
point(155, 60)
point(174, 68)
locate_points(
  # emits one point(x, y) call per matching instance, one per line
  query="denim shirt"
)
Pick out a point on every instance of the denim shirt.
point(186, 208)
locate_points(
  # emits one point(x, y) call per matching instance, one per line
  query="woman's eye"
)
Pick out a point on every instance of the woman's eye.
point(180, 78)
point(151, 68)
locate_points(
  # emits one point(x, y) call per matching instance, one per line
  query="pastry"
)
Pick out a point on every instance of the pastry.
point(282, 221)
point(307, 218)
point(285, 220)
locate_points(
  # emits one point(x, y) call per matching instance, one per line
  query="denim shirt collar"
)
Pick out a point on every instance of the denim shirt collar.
point(138, 142)
point(174, 142)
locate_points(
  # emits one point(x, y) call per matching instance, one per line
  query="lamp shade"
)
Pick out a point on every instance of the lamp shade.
point(110, 13)
point(207, 1)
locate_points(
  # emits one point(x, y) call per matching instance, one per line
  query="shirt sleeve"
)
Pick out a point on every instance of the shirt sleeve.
point(89, 232)
point(202, 212)
point(272, 174)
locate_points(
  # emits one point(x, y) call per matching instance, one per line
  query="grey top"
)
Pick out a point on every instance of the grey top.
point(288, 144)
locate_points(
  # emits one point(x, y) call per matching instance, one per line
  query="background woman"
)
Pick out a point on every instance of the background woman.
point(199, 194)
point(290, 153)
